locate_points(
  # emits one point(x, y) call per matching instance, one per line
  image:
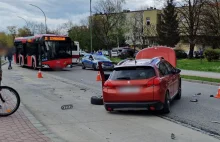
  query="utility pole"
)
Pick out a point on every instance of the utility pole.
point(0, 70)
point(91, 23)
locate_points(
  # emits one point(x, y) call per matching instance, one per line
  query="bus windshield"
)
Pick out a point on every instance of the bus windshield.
point(56, 50)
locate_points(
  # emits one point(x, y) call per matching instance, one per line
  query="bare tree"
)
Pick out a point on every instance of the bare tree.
point(107, 20)
point(190, 21)
point(135, 27)
point(211, 22)
point(12, 30)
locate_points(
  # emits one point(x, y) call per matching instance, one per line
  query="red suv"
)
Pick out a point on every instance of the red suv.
point(144, 83)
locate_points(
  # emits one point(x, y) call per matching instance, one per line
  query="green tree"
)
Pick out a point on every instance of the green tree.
point(80, 34)
point(22, 32)
point(108, 22)
point(168, 29)
point(6, 40)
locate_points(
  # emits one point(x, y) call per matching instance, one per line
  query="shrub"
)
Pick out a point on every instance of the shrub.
point(180, 54)
point(212, 54)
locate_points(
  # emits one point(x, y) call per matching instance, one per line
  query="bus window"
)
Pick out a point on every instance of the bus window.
point(74, 47)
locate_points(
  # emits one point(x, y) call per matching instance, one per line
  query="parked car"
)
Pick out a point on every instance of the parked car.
point(126, 52)
point(122, 52)
point(149, 82)
point(104, 52)
point(92, 60)
point(115, 52)
point(180, 54)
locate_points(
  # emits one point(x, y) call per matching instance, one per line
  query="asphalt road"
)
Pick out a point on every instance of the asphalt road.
point(198, 114)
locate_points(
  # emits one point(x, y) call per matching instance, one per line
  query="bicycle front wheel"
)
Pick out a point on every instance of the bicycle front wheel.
point(9, 100)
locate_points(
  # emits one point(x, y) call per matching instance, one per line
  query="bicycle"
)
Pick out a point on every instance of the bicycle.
point(9, 101)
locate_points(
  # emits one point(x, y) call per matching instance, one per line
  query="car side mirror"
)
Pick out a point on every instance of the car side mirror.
point(176, 71)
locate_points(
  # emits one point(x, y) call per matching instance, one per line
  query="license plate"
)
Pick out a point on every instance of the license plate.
point(129, 89)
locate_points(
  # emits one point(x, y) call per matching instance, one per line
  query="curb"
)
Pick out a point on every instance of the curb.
point(4, 63)
point(39, 126)
point(202, 82)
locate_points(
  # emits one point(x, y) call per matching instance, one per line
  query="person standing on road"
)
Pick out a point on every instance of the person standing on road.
point(9, 56)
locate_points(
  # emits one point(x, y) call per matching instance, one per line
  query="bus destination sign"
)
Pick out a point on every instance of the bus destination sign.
point(55, 38)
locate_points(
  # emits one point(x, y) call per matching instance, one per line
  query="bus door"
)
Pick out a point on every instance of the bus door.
point(18, 50)
point(25, 53)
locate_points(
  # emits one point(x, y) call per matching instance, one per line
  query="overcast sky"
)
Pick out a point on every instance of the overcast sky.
point(57, 11)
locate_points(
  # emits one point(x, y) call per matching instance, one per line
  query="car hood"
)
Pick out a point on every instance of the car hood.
point(157, 51)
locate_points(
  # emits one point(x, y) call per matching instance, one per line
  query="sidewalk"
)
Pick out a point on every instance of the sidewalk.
point(201, 74)
point(22, 126)
point(85, 122)
point(18, 128)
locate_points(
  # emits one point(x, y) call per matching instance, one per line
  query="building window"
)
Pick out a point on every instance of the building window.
point(148, 21)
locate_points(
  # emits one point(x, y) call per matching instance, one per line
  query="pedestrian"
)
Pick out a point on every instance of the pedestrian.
point(9, 56)
point(100, 52)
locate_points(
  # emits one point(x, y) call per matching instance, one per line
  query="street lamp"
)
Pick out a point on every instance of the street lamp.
point(91, 23)
point(24, 20)
point(44, 16)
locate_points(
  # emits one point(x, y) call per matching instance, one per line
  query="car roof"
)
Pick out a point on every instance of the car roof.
point(139, 62)
point(130, 63)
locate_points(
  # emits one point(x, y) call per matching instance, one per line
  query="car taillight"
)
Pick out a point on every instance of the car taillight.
point(154, 82)
point(108, 85)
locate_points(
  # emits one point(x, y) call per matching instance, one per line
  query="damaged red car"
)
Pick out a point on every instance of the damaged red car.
point(149, 82)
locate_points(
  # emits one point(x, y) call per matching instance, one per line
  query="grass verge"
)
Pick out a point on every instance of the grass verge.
point(115, 59)
point(198, 65)
point(200, 78)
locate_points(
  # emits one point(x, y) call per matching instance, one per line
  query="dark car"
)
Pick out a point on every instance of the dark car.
point(180, 54)
point(126, 52)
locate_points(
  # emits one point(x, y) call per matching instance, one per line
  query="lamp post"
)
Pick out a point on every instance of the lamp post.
point(24, 20)
point(44, 16)
point(91, 24)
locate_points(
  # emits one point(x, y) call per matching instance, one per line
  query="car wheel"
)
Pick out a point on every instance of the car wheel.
point(83, 66)
point(97, 100)
point(94, 67)
point(179, 94)
point(166, 105)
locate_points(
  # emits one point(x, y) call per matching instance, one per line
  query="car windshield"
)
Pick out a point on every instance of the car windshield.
point(56, 50)
point(103, 58)
point(133, 73)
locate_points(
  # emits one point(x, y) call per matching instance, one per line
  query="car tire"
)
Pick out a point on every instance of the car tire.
point(166, 105)
point(179, 94)
point(94, 67)
point(83, 66)
point(97, 100)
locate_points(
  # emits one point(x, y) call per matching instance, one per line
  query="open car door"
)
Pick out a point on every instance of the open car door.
point(158, 51)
